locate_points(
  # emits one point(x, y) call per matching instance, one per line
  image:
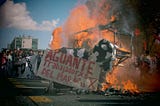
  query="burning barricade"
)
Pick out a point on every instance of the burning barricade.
point(86, 49)
point(80, 68)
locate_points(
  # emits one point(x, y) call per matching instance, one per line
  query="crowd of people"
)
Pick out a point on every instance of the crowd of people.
point(14, 62)
point(17, 61)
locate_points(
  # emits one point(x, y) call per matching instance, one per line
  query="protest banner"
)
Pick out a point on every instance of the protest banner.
point(69, 70)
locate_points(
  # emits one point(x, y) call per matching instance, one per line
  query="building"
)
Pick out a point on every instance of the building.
point(24, 42)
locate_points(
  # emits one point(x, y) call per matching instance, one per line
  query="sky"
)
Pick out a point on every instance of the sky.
point(36, 18)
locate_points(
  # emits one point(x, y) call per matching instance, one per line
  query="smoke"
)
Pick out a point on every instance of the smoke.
point(90, 14)
point(81, 27)
point(103, 10)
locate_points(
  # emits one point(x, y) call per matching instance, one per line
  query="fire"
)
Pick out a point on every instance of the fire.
point(130, 86)
point(132, 79)
point(57, 40)
point(73, 34)
point(79, 20)
point(82, 17)
point(124, 80)
point(105, 86)
point(113, 18)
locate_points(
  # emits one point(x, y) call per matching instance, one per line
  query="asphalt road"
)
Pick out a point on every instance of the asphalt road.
point(27, 92)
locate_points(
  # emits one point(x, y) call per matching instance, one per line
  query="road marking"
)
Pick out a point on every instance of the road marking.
point(40, 99)
point(23, 85)
point(16, 83)
point(32, 87)
point(20, 86)
point(46, 82)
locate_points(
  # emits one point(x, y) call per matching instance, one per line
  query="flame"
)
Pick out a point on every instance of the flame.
point(133, 79)
point(81, 18)
point(130, 86)
point(57, 40)
point(71, 34)
point(123, 80)
point(105, 86)
point(113, 18)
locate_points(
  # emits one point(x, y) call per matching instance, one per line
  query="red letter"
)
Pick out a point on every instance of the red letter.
point(92, 81)
point(45, 72)
point(83, 65)
point(48, 55)
point(69, 60)
point(76, 62)
point(55, 58)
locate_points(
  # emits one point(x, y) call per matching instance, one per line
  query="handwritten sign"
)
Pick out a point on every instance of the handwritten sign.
point(69, 70)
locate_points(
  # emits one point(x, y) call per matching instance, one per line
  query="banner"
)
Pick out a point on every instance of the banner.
point(69, 70)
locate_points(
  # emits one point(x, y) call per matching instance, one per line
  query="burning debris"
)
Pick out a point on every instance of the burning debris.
point(103, 31)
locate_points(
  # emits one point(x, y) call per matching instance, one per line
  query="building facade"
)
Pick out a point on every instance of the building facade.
point(24, 42)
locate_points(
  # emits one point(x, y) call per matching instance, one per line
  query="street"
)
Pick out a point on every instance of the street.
point(30, 92)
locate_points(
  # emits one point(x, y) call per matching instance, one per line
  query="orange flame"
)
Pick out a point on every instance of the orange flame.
point(82, 18)
point(121, 79)
point(130, 86)
point(79, 20)
point(57, 40)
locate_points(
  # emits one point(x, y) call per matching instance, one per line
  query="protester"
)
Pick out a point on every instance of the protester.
point(3, 64)
point(39, 57)
point(13, 63)
point(9, 63)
